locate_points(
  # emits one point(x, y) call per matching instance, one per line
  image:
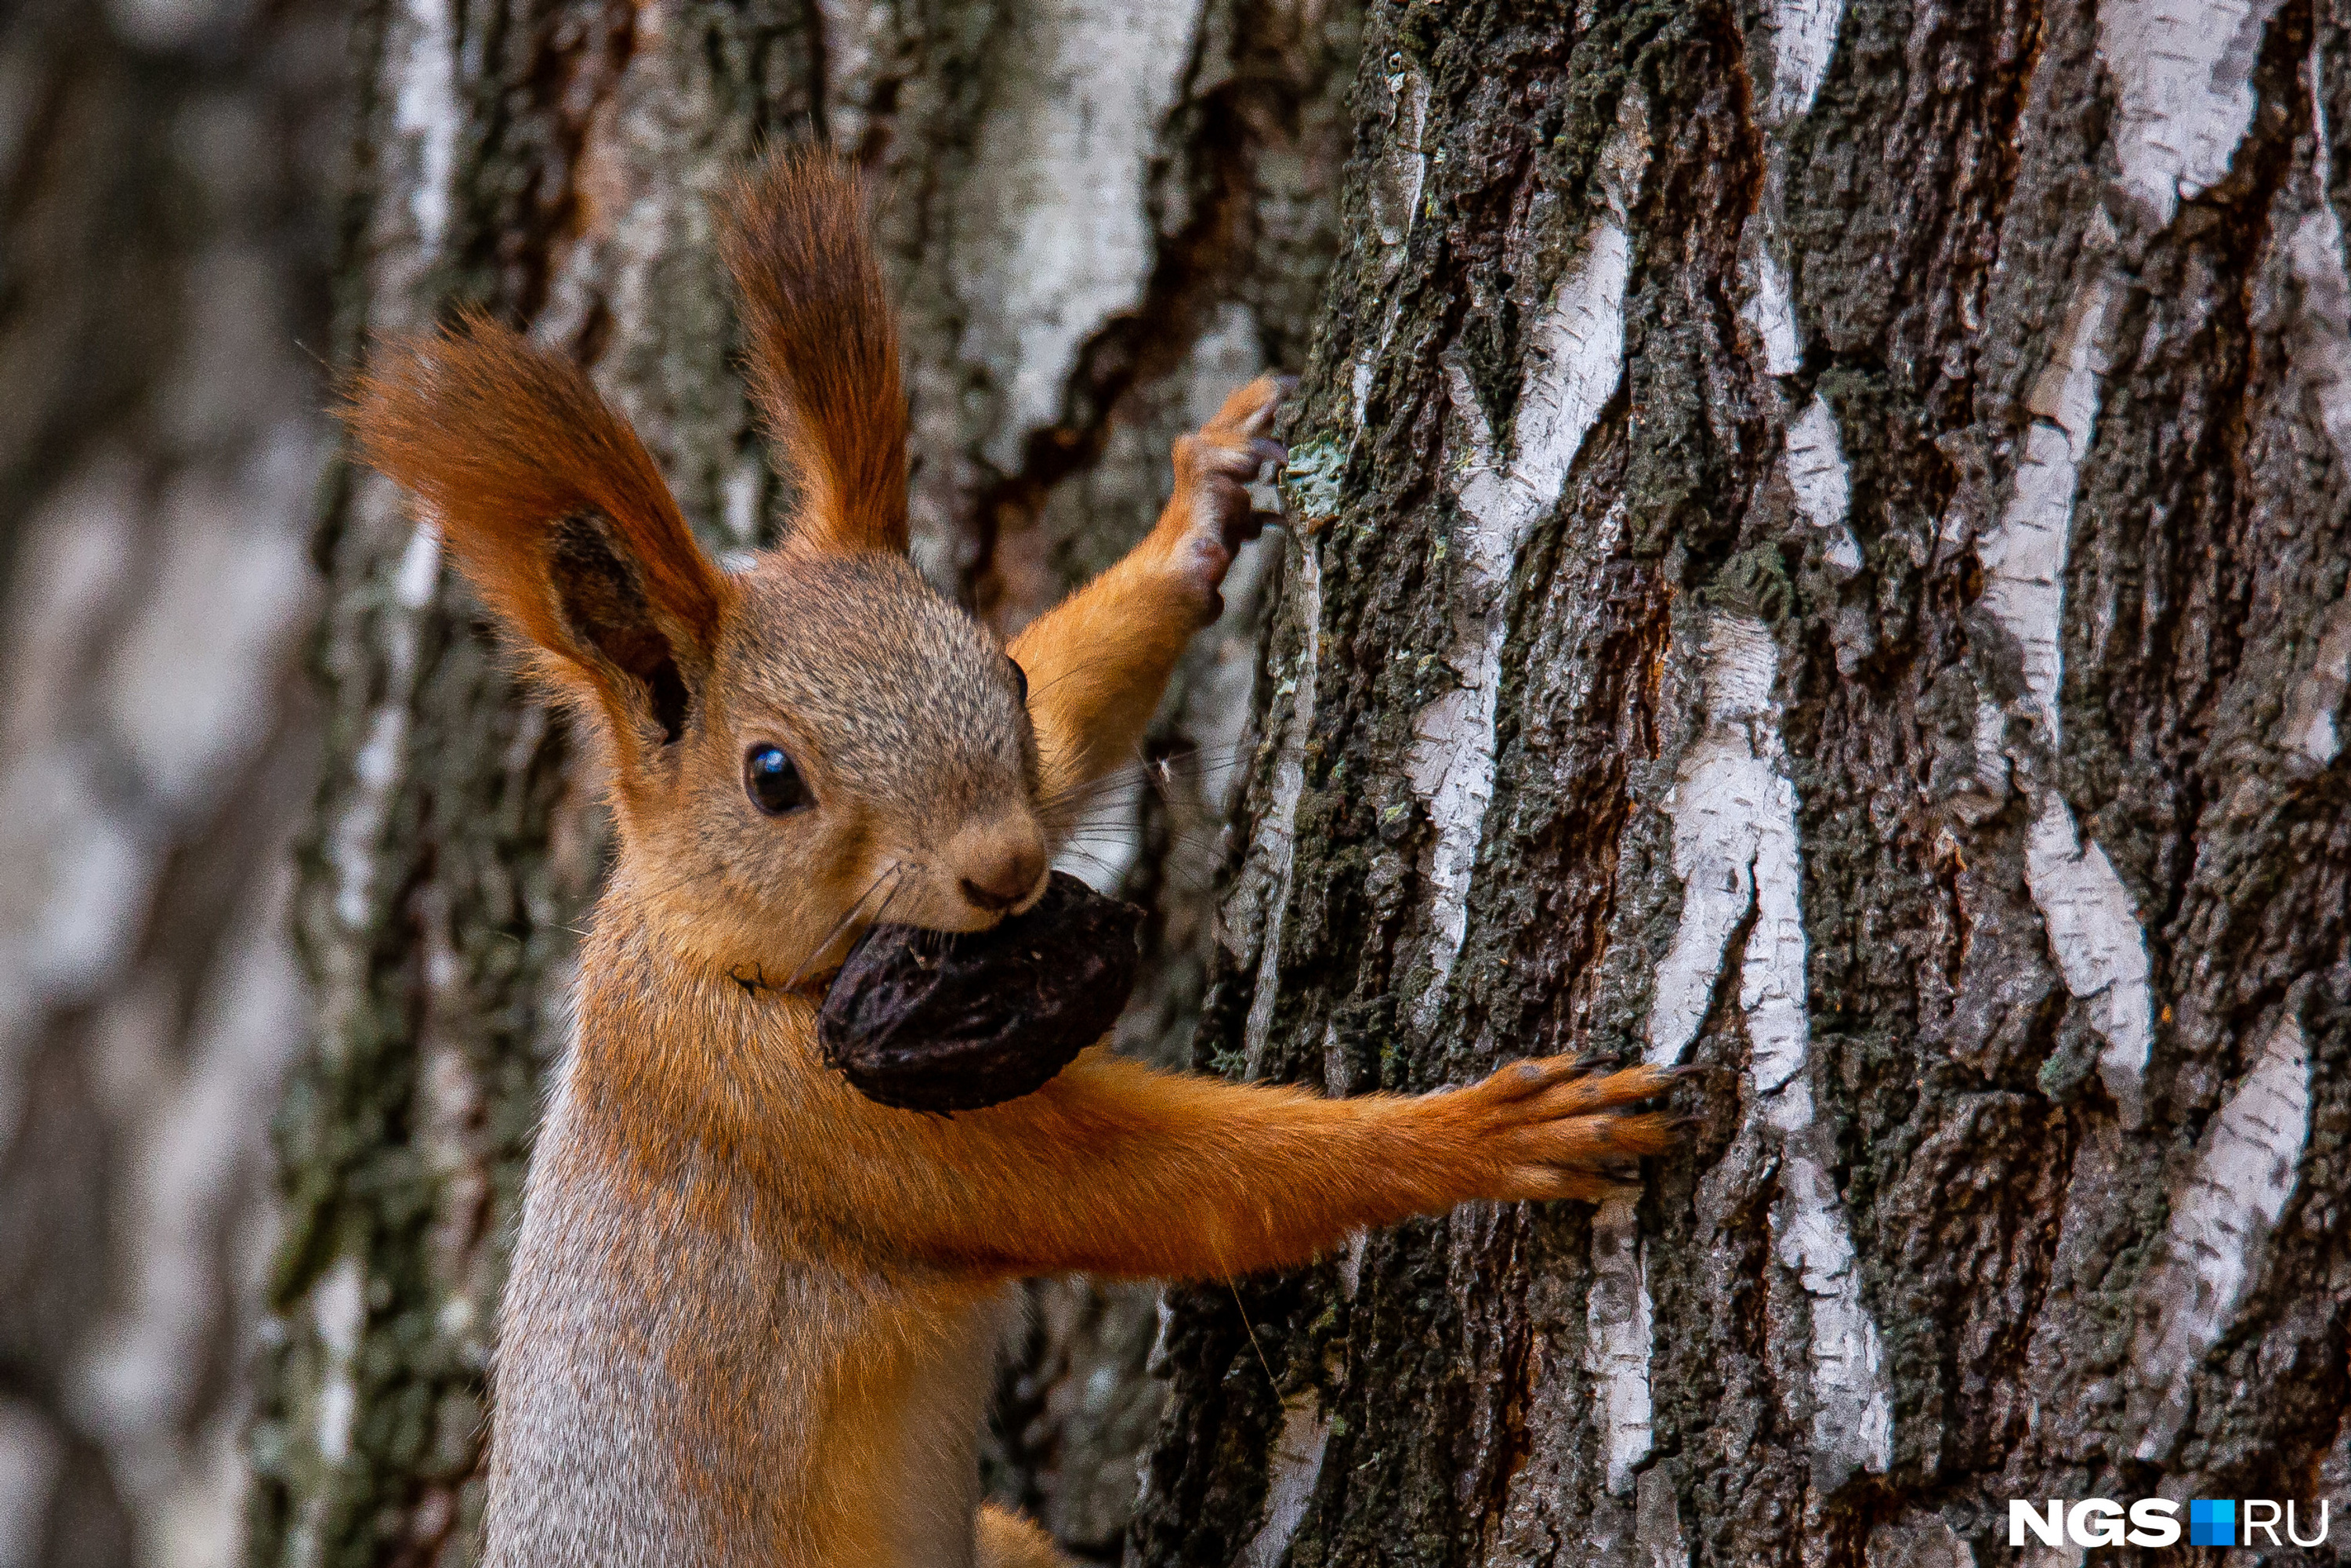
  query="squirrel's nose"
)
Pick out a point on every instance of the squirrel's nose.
point(1000, 866)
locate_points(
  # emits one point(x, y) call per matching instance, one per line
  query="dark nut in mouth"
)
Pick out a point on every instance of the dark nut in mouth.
point(927, 1021)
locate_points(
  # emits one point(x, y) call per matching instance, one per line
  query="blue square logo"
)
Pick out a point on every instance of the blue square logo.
point(2212, 1523)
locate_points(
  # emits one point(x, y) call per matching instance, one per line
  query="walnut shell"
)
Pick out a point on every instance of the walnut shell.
point(925, 1021)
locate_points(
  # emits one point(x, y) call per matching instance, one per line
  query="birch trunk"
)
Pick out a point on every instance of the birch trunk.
point(1822, 555)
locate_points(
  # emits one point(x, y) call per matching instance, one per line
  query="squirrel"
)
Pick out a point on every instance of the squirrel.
point(751, 1315)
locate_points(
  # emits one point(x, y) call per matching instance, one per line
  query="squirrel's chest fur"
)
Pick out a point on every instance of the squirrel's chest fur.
point(694, 1369)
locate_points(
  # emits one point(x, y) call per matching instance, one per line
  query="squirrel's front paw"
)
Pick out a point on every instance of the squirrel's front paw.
point(1210, 516)
point(1551, 1128)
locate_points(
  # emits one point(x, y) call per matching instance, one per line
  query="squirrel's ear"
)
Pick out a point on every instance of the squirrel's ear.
point(555, 511)
point(823, 349)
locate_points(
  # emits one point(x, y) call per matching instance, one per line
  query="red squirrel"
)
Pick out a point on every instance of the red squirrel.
point(752, 1315)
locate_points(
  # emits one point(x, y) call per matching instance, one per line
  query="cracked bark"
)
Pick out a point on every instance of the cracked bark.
point(1906, 711)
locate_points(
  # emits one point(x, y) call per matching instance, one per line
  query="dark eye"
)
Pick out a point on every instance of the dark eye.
point(774, 781)
point(1019, 681)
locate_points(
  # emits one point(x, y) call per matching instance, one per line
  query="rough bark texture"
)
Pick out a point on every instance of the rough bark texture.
point(162, 262)
point(1830, 529)
point(1099, 218)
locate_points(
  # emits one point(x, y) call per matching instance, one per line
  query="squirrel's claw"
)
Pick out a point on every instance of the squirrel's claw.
point(1214, 471)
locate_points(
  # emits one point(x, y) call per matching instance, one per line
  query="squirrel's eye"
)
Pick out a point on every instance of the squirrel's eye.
point(1019, 680)
point(774, 781)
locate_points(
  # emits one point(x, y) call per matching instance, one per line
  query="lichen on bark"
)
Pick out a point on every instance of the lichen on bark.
point(1851, 312)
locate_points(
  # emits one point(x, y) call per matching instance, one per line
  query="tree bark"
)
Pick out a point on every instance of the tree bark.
point(1820, 547)
point(1099, 218)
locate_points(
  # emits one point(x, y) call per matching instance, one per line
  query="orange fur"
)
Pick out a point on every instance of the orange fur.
point(498, 438)
point(751, 1312)
point(502, 440)
point(824, 354)
point(1097, 660)
point(1008, 1541)
point(1110, 1168)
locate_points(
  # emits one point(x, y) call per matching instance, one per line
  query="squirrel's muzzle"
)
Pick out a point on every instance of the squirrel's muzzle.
point(998, 866)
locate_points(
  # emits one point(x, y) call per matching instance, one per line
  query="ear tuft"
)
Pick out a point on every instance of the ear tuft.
point(552, 506)
point(824, 344)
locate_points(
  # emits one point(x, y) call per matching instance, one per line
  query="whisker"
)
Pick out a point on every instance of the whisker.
point(1161, 773)
point(679, 883)
point(1110, 874)
point(893, 868)
point(1205, 763)
point(881, 915)
point(1081, 667)
point(1189, 879)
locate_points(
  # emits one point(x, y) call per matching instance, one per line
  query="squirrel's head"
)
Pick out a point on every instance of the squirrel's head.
point(796, 749)
point(861, 748)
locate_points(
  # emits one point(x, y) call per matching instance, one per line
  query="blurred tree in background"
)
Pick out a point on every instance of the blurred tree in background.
point(164, 246)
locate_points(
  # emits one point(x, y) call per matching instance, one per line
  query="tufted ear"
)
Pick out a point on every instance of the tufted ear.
point(823, 345)
point(554, 509)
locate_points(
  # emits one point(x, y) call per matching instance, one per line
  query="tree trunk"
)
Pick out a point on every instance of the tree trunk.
point(1820, 555)
point(1100, 218)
